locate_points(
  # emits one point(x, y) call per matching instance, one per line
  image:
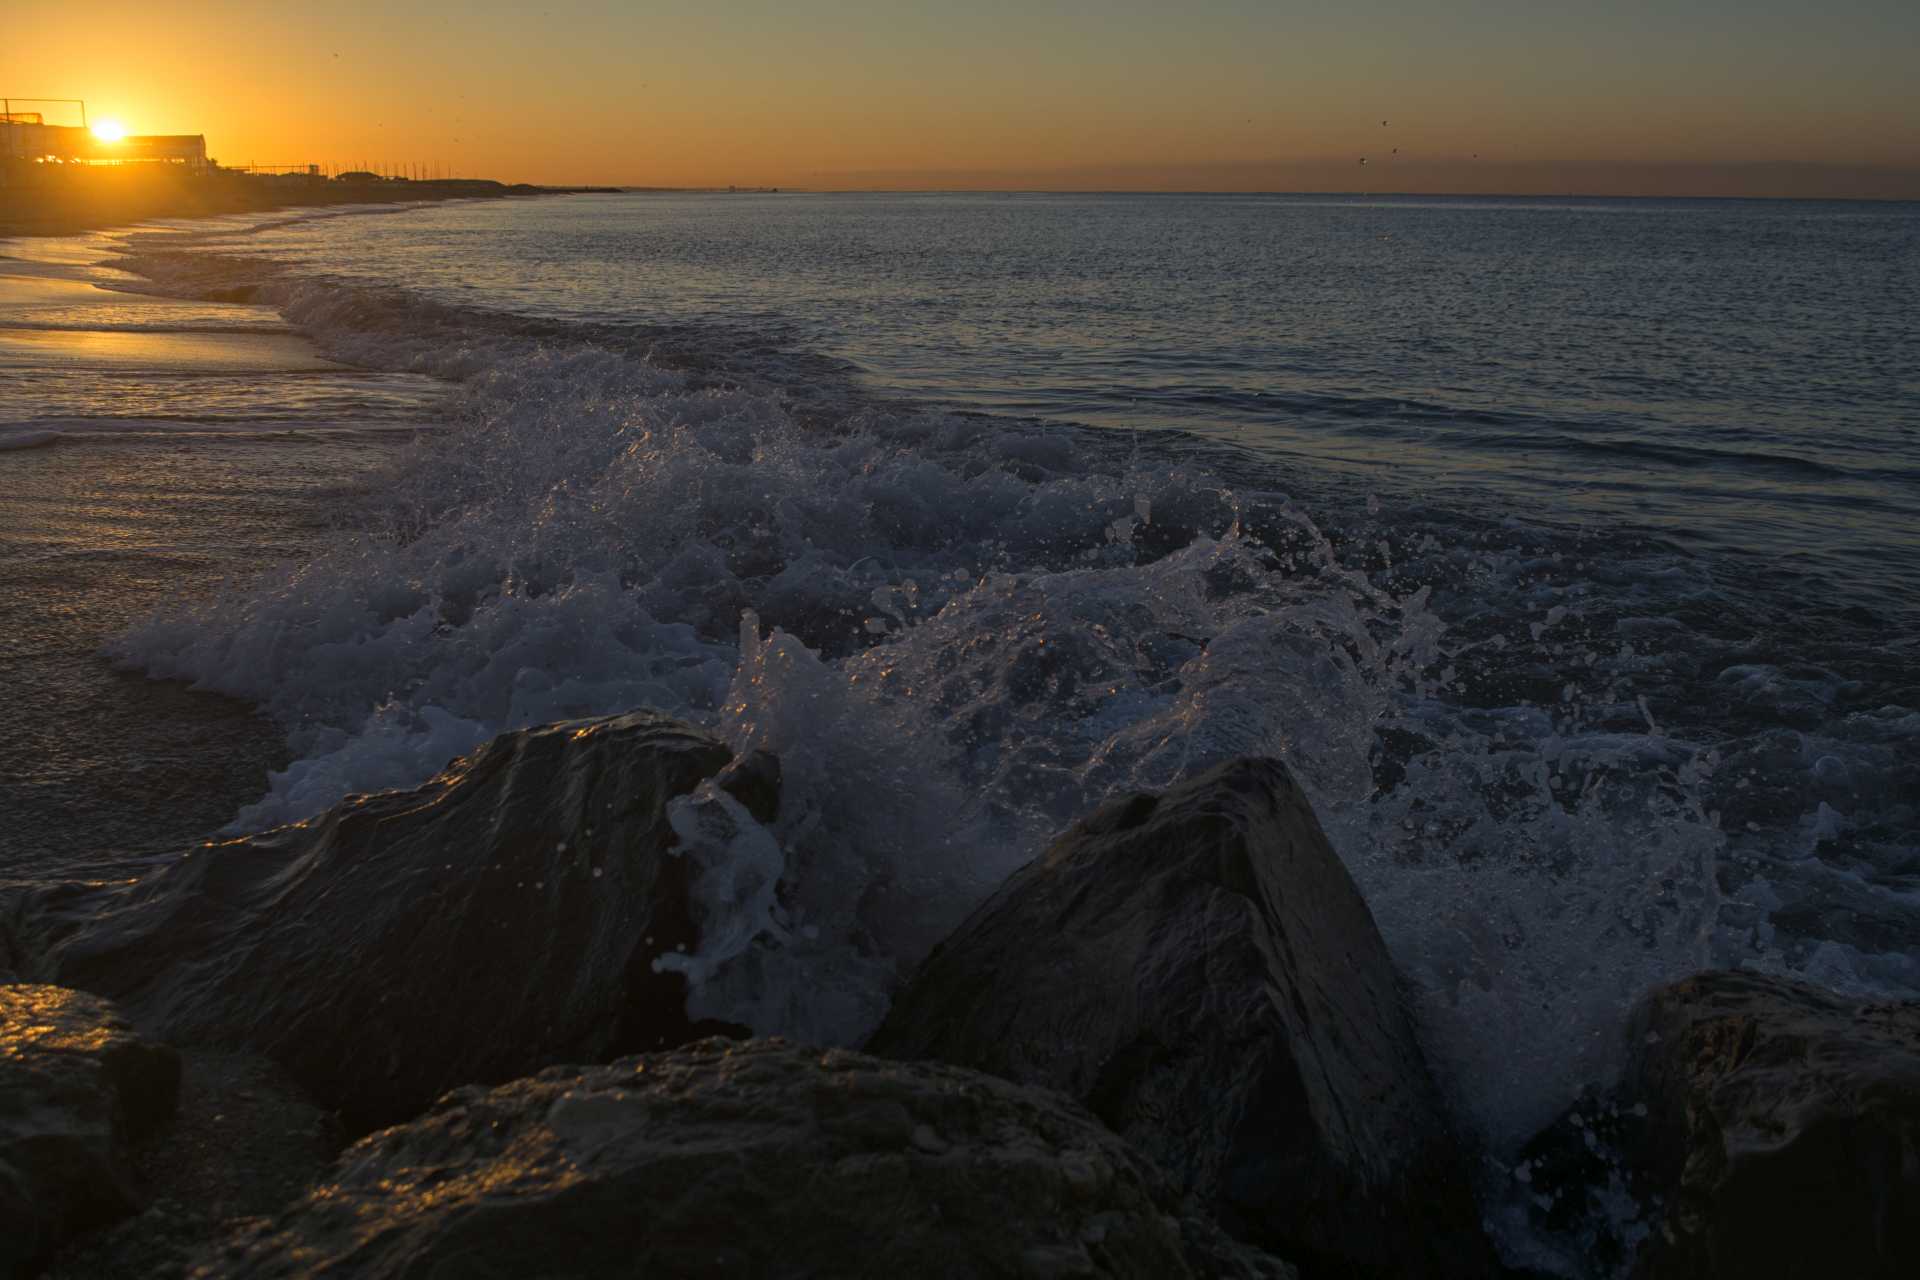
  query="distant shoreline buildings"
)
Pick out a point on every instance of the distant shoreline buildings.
point(33, 150)
point(27, 138)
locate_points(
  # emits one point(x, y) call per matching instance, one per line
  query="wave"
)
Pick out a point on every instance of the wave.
point(959, 632)
point(1461, 430)
point(1677, 455)
point(200, 232)
point(31, 438)
point(379, 326)
point(1507, 431)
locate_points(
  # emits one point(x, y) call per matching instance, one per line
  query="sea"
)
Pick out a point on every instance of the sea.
point(1567, 549)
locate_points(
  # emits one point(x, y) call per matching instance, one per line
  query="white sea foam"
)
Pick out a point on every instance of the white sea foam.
point(954, 634)
point(959, 634)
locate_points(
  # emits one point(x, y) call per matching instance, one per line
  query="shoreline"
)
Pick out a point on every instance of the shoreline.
point(163, 499)
point(389, 1001)
point(69, 204)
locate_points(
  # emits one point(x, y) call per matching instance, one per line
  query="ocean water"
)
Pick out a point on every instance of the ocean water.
point(1566, 549)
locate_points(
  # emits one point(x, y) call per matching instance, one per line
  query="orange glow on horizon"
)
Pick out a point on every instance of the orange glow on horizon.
point(853, 94)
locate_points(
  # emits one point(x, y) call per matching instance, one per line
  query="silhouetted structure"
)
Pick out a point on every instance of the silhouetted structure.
point(27, 138)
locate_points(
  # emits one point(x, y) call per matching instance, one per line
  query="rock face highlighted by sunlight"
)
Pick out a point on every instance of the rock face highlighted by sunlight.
point(77, 1084)
point(1200, 970)
point(504, 916)
point(756, 1159)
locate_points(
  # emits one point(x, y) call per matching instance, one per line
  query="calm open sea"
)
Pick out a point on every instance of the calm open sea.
point(1568, 549)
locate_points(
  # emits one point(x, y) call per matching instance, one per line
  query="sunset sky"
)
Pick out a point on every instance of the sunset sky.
point(1700, 96)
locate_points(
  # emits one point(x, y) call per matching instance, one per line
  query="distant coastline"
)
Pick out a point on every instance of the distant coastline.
point(93, 199)
point(89, 199)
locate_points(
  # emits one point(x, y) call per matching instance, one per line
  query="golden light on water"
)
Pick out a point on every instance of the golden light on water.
point(109, 130)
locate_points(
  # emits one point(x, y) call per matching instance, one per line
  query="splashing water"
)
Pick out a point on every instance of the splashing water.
point(960, 633)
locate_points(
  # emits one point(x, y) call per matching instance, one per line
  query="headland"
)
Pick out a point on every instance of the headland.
point(38, 200)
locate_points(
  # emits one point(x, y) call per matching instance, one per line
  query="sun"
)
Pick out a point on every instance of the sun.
point(109, 130)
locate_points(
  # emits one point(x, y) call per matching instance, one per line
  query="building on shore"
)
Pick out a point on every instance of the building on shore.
point(27, 138)
point(32, 141)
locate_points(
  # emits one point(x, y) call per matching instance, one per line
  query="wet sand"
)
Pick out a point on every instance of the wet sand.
point(108, 515)
point(184, 352)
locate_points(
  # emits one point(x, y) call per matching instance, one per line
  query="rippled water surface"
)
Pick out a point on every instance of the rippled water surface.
point(1565, 549)
point(1739, 374)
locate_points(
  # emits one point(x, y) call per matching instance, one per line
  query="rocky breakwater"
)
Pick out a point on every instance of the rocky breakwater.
point(502, 917)
point(78, 1086)
point(1195, 970)
point(1173, 1045)
point(1199, 969)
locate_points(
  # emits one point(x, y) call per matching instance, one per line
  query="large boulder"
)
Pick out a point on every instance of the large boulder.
point(77, 1086)
point(1200, 970)
point(503, 916)
point(1782, 1130)
point(744, 1159)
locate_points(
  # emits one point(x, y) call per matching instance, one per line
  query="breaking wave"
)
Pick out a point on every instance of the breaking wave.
point(959, 632)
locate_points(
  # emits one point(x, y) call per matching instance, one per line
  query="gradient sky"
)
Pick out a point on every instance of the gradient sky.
point(1702, 96)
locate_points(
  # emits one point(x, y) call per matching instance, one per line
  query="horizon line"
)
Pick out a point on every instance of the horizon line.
point(749, 189)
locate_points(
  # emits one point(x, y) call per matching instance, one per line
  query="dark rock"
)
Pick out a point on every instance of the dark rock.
point(245, 1141)
point(757, 1159)
point(77, 1086)
point(1783, 1130)
point(1199, 968)
point(499, 918)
